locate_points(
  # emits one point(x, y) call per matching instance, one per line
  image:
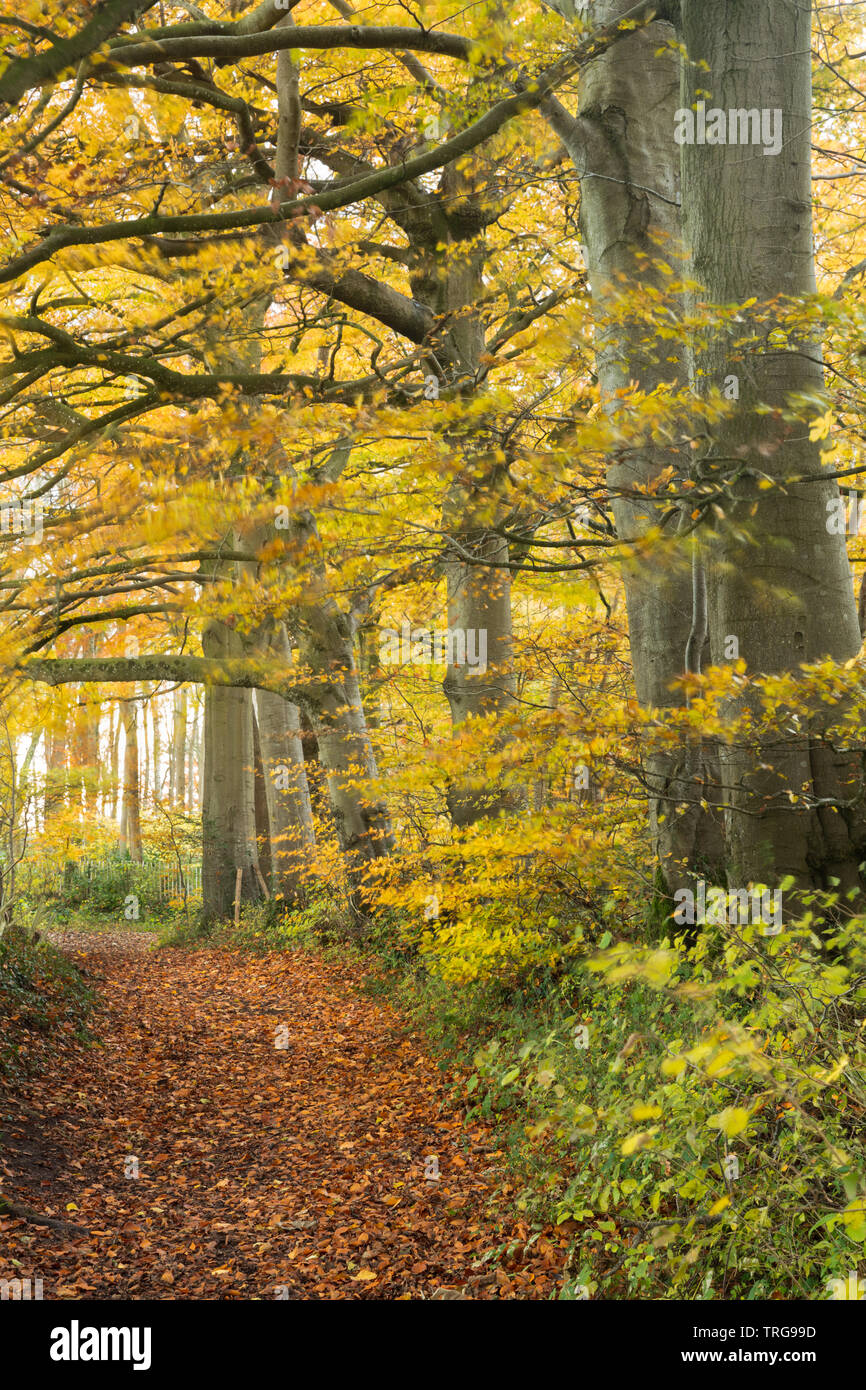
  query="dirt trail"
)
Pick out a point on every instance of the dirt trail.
point(269, 1163)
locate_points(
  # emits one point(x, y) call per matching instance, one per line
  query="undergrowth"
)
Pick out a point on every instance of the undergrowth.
point(44, 1001)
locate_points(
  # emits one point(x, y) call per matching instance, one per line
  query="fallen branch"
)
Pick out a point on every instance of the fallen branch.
point(35, 1218)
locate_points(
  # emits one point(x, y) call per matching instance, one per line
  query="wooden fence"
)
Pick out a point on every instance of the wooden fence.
point(163, 879)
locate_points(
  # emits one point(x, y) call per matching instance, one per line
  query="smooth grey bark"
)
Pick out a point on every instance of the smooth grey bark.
point(621, 144)
point(228, 794)
point(780, 583)
point(287, 794)
point(114, 782)
point(177, 752)
point(324, 635)
point(263, 823)
point(370, 671)
point(145, 757)
point(449, 254)
point(156, 744)
point(130, 824)
point(195, 769)
point(285, 817)
point(479, 602)
point(324, 638)
point(479, 594)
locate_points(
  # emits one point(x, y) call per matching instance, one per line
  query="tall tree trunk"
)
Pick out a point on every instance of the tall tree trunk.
point(195, 760)
point(479, 594)
point(177, 757)
point(370, 671)
point(228, 796)
point(287, 810)
point(323, 635)
point(114, 776)
point(130, 829)
point(479, 679)
point(55, 772)
point(326, 661)
point(196, 791)
point(156, 743)
point(145, 761)
point(288, 796)
point(263, 822)
point(321, 806)
point(623, 148)
point(780, 582)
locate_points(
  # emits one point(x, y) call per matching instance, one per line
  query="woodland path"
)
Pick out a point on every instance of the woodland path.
point(262, 1172)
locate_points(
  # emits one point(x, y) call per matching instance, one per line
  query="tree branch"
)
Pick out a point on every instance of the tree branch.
point(227, 47)
point(529, 95)
point(239, 672)
point(23, 74)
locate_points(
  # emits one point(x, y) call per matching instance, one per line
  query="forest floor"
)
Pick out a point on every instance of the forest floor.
point(253, 1127)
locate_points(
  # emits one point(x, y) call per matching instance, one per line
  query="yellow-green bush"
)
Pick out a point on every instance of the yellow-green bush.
point(705, 1131)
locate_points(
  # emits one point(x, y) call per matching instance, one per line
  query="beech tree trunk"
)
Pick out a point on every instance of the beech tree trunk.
point(323, 634)
point(290, 815)
point(195, 767)
point(177, 754)
point(263, 824)
point(114, 783)
point(780, 583)
point(145, 758)
point(228, 794)
point(479, 594)
point(370, 671)
point(623, 148)
point(156, 744)
point(285, 793)
point(130, 824)
point(479, 678)
point(55, 772)
point(326, 661)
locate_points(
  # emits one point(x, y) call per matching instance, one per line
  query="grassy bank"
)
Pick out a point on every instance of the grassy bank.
point(44, 1002)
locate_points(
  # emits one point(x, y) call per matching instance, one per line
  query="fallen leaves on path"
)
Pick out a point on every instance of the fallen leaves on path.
point(253, 1127)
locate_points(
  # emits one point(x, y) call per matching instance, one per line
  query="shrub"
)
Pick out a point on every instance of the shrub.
point(705, 1132)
